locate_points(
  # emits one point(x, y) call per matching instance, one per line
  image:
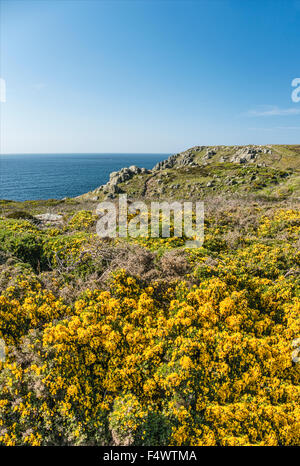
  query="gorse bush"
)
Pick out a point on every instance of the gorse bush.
point(195, 363)
point(82, 220)
point(202, 356)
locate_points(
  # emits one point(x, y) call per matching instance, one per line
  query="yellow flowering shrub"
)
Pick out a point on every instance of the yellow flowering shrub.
point(212, 364)
point(284, 220)
point(207, 359)
point(64, 249)
point(27, 306)
point(82, 220)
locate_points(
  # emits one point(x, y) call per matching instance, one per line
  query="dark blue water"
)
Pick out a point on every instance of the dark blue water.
point(54, 176)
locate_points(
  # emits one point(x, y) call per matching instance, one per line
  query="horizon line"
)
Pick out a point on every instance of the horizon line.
point(84, 153)
point(144, 153)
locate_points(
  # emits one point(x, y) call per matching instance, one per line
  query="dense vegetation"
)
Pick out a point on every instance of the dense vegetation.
point(142, 342)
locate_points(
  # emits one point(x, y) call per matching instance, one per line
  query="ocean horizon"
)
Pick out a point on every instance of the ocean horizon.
point(57, 175)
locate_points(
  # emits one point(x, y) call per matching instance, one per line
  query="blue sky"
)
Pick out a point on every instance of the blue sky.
point(148, 76)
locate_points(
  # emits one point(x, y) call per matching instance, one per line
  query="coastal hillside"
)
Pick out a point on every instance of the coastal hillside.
point(142, 341)
point(202, 171)
point(149, 299)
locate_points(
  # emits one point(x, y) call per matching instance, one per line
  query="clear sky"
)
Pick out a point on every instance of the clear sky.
point(148, 76)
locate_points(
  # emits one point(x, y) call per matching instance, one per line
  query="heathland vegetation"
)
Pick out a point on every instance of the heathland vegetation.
point(139, 341)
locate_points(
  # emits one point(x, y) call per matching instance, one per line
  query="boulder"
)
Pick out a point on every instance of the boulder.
point(50, 218)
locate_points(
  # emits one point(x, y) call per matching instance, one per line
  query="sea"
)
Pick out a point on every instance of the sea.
point(55, 176)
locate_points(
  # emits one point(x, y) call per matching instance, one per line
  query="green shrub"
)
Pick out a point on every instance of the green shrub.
point(27, 247)
point(20, 214)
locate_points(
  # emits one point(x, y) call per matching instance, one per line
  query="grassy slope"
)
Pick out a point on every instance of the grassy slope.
point(272, 175)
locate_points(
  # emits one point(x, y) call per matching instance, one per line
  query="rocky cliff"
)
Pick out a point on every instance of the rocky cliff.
point(272, 170)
